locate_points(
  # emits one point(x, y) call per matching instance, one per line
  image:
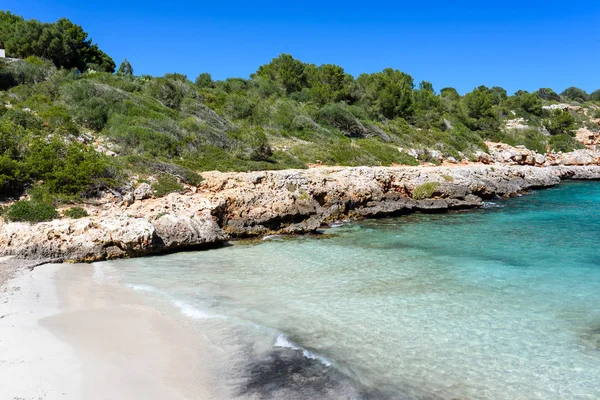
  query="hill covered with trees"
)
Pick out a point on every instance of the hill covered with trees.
point(70, 127)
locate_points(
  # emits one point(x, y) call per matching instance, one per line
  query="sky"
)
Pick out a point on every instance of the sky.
point(524, 44)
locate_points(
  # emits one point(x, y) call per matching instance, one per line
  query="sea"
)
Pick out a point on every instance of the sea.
point(501, 302)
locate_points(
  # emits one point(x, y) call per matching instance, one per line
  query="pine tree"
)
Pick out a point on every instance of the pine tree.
point(125, 68)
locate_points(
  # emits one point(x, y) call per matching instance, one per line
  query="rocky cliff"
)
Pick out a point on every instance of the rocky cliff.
point(237, 205)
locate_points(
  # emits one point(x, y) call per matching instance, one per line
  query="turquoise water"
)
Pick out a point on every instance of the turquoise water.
point(498, 303)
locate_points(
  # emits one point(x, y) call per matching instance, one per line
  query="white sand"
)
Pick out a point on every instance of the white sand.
point(65, 336)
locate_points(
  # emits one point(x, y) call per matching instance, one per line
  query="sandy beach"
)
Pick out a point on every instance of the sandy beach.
point(63, 335)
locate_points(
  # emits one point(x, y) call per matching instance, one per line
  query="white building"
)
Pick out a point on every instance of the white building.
point(2, 53)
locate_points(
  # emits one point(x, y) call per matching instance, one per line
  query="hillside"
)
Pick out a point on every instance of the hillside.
point(72, 129)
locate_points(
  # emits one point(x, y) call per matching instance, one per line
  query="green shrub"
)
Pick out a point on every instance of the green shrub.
point(166, 184)
point(76, 212)
point(425, 191)
point(30, 211)
point(561, 122)
point(338, 116)
point(386, 154)
point(564, 143)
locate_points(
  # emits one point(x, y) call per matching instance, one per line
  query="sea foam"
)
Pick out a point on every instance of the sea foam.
point(284, 342)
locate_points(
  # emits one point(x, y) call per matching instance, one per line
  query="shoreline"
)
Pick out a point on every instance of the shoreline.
point(109, 341)
point(65, 336)
point(230, 206)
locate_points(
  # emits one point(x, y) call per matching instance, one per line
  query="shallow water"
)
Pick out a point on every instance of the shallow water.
point(499, 303)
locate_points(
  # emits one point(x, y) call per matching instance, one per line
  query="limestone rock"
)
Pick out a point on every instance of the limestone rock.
point(143, 191)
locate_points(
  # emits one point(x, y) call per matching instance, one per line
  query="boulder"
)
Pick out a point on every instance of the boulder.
point(143, 191)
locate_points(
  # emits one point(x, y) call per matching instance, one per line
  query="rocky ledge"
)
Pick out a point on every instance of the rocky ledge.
point(240, 205)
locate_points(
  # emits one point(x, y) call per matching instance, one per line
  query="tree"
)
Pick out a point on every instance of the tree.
point(547, 94)
point(389, 92)
point(498, 94)
point(595, 96)
point(327, 83)
point(479, 105)
point(449, 93)
point(204, 80)
point(528, 102)
point(125, 68)
point(561, 122)
point(285, 70)
point(428, 107)
point(64, 43)
point(575, 94)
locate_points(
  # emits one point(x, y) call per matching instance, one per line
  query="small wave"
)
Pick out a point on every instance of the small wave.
point(142, 288)
point(186, 308)
point(491, 204)
point(284, 342)
point(190, 311)
point(272, 237)
point(336, 224)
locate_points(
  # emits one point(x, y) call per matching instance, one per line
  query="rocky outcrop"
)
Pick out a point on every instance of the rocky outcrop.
point(261, 203)
point(236, 205)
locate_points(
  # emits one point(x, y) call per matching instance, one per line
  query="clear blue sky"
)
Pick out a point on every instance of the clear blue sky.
point(514, 44)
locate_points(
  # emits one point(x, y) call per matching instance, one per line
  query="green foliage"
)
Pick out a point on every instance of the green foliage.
point(547, 94)
point(425, 191)
point(287, 115)
point(75, 213)
point(30, 211)
point(388, 93)
point(530, 138)
point(564, 143)
point(149, 166)
point(169, 91)
point(338, 115)
point(125, 68)
point(204, 80)
point(595, 95)
point(450, 93)
point(63, 42)
point(561, 122)
point(386, 154)
point(166, 184)
point(575, 94)
point(285, 70)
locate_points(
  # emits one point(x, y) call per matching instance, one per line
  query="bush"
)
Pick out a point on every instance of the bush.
point(166, 184)
point(30, 211)
point(561, 122)
point(76, 212)
point(564, 143)
point(386, 154)
point(425, 191)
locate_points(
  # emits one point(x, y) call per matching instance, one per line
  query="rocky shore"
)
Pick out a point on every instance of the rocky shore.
point(242, 205)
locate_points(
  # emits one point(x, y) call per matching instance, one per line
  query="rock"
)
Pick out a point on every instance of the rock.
point(482, 157)
point(540, 159)
point(271, 202)
point(185, 232)
point(579, 157)
point(143, 191)
point(128, 199)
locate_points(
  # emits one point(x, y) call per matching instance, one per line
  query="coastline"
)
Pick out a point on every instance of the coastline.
point(66, 336)
point(229, 206)
point(110, 342)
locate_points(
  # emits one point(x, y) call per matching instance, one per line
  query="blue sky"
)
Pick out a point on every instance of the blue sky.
point(463, 44)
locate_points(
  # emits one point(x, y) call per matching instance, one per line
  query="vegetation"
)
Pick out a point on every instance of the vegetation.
point(166, 184)
point(75, 213)
point(64, 43)
point(71, 128)
point(425, 191)
point(30, 211)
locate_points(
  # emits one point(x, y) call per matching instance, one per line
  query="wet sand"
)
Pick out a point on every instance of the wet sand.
point(64, 336)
